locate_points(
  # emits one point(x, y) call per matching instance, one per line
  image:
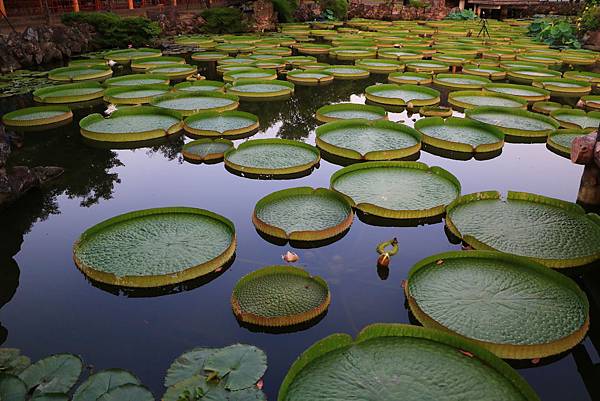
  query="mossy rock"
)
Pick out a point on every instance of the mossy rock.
point(552, 232)
point(535, 311)
point(378, 189)
point(155, 247)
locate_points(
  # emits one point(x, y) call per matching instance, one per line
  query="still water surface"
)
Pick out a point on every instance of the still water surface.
point(55, 309)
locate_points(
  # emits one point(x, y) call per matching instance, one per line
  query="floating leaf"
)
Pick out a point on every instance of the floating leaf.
point(241, 366)
point(54, 374)
point(103, 382)
point(188, 365)
point(12, 388)
point(128, 392)
point(12, 362)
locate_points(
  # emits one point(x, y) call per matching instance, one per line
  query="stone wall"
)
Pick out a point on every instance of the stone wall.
point(396, 10)
point(43, 45)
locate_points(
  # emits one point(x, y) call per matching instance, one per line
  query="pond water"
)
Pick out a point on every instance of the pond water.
point(56, 309)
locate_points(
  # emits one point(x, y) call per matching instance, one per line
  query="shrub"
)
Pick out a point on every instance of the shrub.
point(462, 15)
point(285, 9)
point(418, 4)
point(114, 31)
point(223, 20)
point(590, 19)
point(556, 32)
point(337, 8)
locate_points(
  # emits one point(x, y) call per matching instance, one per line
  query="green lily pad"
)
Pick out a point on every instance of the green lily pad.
point(547, 107)
point(429, 66)
point(250, 73)
point(80, 73)
point(131, 124)
point(591, 102)
point(529, 75)
point(397, 361)
point(103, 382)
point(174, 71)
point(206, 149)
point(552, 232)
point(143, 64)
point(536, 311)
point(303, 214)
point(128, 392)
point(69, 93)
point(225, 124)
point(54, 374)
point(126, 55)
point(278, 296)
point(560, 140)
point(489, 72)
point(343, 71)
point(155, 247)
point(380, 66)
point(471, 99)
point(210, 391)
point(12, 362)
point(50, 397)
point(137, 80)
point(188, 103)
point(368, 140)
point(402, 95)
point(460, 81)
point(515, 122)
point(399, 54)
point(563, 86)
point(260, 89)
point(378, 188)
point(132, 95)
point(12, 388)
point(272, 157)
point(188, 365)
point(529, 93)
point(40, 117)
point(416, 78)
point(209, 56)
point(460, 135)
point(200, 86)
point(309, 77)
point(239, 366)
point(348, 111)
point(352, 52)
point(575, 118)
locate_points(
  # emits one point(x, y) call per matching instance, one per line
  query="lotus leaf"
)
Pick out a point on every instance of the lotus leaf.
point(102, 383)
point(54, 374)
point(238, 366)
point(347, 72)
point(128, 392)
point(80, 73)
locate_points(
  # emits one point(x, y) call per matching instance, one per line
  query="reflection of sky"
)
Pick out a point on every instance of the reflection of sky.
point(57, 310)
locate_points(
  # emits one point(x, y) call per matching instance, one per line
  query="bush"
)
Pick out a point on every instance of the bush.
point(223, 20)
point(338, 8)
point(590, 19)
point(557, 32)
point(462, 15)
point(285, 9)
point(418, 4)
point(114, 31)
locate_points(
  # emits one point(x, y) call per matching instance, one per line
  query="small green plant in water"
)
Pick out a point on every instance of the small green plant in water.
point(462, 15)
point(558, 33)
point(192, 395)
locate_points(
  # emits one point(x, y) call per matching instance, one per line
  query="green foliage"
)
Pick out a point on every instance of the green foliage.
point(462, 15)
point(114, 31)
point(336, 8)
point(590, 19)
point(418, 4)
point(556, 32)
point(285, 9)
point(223, 20)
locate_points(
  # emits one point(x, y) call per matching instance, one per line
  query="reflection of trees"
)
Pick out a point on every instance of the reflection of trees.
point(171, 149)
point(296, 115)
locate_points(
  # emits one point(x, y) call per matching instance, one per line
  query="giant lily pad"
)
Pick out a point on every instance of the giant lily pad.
point(80, 73)
point(272, 157)
point(399, 54)
point(260, 89)
point(352, 52)
point(388, 362)
point(563, 86)
point(429, 66)
point(143, 64)
point(547, 107)
point(529, 75)
point(200, 86)
point(379, 188)
point(591, 102)
point(278, 296)
point(347, 71)
point(513, 307)
point(188, 103)
point(575, 118)
point(174, 71)
point(310, 77)
point(515, 122)
point(560, 141)
point(69, 93)
point(137, 80)
point(471, 99)
point(103, 382)
point(206, 149)
point(347, 111)
point(550, 231)
point(303, 214)
point(54, 374)
point(209, 56)
point(134, 94)
point(216, 124)
point(38, 118)
point(489, 72)
point(131, 124)
point(460, 81)
point(368, 140)
point(250, 73)
point(155, 247)
point(416, 78)
point(380, 66)
point(125, 56)
point(460, 135)
point(402, 95)
point(528, 93)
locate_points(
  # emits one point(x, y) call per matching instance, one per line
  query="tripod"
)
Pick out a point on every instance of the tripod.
point(484, 27)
